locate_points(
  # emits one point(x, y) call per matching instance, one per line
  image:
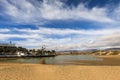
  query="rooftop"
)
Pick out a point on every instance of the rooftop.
point(7, 44)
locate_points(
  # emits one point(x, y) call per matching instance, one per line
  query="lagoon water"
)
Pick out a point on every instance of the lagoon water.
point(61, 59)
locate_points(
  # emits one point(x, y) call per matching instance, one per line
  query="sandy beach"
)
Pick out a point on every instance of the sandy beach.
point(14, 71)
point(51, 72)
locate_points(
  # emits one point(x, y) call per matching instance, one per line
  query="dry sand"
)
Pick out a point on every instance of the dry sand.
point(11, 71)
point(55, 72)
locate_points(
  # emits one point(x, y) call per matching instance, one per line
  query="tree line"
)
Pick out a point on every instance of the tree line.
point(13, 50)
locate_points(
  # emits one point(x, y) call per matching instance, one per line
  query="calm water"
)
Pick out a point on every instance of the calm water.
point(61, 59)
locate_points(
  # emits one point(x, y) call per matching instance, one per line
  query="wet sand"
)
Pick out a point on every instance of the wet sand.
point(14, 71)
point(111, 60)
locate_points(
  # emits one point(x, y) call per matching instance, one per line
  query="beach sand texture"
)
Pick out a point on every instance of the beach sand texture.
point(58, 72)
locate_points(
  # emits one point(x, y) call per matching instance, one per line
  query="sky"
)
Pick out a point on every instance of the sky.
point(61, 24)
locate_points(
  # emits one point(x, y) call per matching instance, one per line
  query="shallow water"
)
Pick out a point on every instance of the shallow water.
point(61, 59)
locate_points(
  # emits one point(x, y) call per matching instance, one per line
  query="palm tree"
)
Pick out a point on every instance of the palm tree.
point(53, 52)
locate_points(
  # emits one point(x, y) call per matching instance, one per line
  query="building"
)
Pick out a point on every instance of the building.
point(6, 48)
point(6, 45)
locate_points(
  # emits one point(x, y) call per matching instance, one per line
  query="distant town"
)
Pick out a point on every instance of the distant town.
point(11, 50)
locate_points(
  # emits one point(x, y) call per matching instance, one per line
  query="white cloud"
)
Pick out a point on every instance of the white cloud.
point(81, 39)
point(55, 11)
point(54, 31)
point(26, 12)
point(4, 30)
point(23, 11)
point(116, 13)
point(25, 36)
point(110, 40)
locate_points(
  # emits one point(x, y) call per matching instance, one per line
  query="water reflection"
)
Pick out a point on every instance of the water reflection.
point(51, 60)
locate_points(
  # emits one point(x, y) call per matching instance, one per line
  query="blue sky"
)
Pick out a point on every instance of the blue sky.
point(61, 24)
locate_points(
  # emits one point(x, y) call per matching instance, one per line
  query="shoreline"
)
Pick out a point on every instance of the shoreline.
point(23, 71)
point(107, 60)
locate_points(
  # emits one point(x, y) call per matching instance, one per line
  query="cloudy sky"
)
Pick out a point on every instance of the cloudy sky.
point(60, 24)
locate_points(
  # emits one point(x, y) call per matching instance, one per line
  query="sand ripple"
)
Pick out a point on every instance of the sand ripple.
point(55, 72)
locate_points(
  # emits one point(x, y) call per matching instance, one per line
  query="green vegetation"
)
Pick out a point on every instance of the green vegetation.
point(13, 50)
point(6, 50)
point(43, 51)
